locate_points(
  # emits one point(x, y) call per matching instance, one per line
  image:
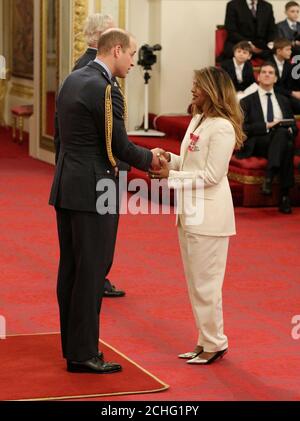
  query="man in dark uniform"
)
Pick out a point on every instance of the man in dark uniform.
point(96, 24)
point(93, 136)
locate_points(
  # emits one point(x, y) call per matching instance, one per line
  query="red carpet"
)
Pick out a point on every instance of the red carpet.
point(37, 357)
point(154, 322)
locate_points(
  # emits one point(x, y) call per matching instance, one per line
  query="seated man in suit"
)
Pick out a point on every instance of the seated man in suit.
point(250, 20)
point(267, 136)
point(290, 27)
point(239, 67)
point(285, 84)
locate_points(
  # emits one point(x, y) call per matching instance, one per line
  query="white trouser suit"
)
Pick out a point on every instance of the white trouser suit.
point(205, 154)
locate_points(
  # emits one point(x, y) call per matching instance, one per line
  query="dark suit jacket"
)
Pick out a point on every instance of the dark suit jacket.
point(284, 31)
point(284, 83)
point(241, 26)
point(83, 157)
point(248, 75)
point(90, 54)
point(254, 122)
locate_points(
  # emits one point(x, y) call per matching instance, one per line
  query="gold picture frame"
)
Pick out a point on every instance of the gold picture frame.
point(22, 38)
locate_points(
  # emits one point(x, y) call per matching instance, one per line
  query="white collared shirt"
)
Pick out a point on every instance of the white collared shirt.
point(291, 23)
point(279, 64)
point(238, 70)
point(264, 104)
point(250, 4)
point(109, 73)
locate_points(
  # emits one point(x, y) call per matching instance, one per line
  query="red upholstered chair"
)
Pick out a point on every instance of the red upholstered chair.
point(220, 37)
point(18, 115)
point(250, 173)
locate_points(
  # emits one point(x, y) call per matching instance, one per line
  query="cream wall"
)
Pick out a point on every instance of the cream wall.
point(186, 31)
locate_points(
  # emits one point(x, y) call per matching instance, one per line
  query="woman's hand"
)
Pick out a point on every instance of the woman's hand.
point(163, 172)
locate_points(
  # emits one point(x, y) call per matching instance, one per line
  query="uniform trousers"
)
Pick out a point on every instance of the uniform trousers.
point(87, 242)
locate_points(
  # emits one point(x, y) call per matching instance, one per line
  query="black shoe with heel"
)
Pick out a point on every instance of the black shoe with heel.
point(192, 354)
point(203, 361)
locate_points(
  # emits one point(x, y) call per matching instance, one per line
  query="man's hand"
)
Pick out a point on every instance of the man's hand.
point(163, 172)
point(157, 153)
point(272, 124)
point(254, 49)
point(296, 94)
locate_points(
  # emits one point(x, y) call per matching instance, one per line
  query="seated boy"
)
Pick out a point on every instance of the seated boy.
point(239, 67)
point(290, 27)
point(285, 84)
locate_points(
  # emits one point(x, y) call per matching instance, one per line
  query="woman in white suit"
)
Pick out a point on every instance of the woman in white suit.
point(214, 132)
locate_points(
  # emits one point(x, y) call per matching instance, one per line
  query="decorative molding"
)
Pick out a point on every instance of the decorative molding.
point(98, 6)
point(122, 14)
point(22, 91)
point(80, 12)
point(122, 24)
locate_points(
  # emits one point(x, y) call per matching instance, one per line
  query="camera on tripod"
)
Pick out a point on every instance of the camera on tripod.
point(146, 59)
point(146, 55)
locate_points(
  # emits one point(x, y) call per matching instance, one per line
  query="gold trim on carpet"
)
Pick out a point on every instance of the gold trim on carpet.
point(165, 386)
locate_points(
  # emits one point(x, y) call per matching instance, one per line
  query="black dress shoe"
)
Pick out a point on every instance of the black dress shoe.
point(266, 187)
point(285, 205)
point(93, 365)
point(113, 292)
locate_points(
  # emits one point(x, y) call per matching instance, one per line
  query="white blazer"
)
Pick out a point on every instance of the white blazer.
point(208, 162)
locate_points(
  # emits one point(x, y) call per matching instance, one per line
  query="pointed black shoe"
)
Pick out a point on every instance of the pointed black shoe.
point(285, 205)
point(266, 187)
point(192, 354)
point(202, 361)
point(93, 365)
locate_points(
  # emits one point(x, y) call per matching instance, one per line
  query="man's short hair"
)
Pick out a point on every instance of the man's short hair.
point(267, 63)
point(111, 38)
point(243, 45)
point(281, 43)
point(291, 4)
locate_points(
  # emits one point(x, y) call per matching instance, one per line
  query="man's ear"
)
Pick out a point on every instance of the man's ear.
point(117, 51)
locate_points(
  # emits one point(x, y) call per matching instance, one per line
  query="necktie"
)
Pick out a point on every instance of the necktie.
point(270, 112)
point(294, 27)
point(253, 9)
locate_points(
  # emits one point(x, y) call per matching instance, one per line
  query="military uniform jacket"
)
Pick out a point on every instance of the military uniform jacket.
point(83, 158)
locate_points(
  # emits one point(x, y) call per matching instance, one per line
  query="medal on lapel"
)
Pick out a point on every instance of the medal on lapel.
point(193, 147)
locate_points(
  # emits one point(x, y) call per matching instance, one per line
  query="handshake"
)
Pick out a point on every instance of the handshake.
point(159, 165)
point(159, 155)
